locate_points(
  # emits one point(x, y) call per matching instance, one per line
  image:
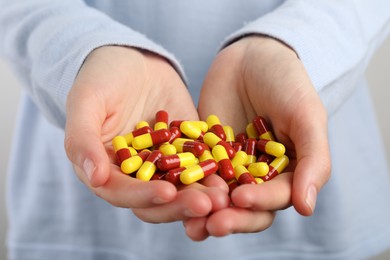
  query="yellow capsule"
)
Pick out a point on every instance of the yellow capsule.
point(271, 147)
point(179, 143)
point(133, 163)
point(259, 180)
point(119, 142)
point(258, 169)
point(167, 149)
point(190, 129)
point(132, 151)
point(201, 125)
point(276, 167)
point(149, 167)
point(141, 124)
point(212, 120)
point(219, 153)
point(251, 131)
point(206, 155)
point(211, 139)
point(197, 172)
point(239, 159)
point(230, 138)
point(243, 176)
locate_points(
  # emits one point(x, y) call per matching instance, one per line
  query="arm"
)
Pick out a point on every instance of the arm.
point(64, 52)
point(295, 66)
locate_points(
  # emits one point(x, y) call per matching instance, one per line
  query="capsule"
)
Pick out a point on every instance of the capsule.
point(229, 133)
point(251, 131)
point(276, 167)
point(239, 159)
point(259, 180)
point(206, 155)
point(139, 131)
point(243, 176)
point(232, 184)
point(271, 147)
point(241, 137)
point(265, 158)
point(175, 133)
point(262, 128)
point(197, 172)
point(250, 149)
point(158, 175)
point(169, 162)
point(167, 149)
point(189, 145)
point(173, 175)
point(215, 126)
point(149, 139)
point(237, 146)
point(121, 149)
point(176, 123)
point(161, 120)
point(133, 163)
point(148, 168)
point(225, 169)
point(141, 124)
point(258, 169)
point(190, 129)
point(212, 140)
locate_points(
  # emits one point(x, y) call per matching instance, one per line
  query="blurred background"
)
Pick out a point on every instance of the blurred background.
point(378, 75)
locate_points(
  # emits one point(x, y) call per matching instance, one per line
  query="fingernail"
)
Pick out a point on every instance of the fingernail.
point(311, 197)
point(89, 168)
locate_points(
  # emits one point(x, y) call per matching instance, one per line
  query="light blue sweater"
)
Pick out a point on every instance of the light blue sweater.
point(53, 216)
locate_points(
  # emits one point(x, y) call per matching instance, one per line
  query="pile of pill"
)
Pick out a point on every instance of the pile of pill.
point(184, 152)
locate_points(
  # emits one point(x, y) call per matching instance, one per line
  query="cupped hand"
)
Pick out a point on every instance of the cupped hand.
point(262, 76)
point(115, 89)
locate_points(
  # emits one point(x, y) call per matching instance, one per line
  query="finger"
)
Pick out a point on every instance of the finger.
point(272, 195)
point(238, 220)
point(313, 163)
point(184, 206)
point(123, 191)
point(196, 228)
point(83, 142)
point(216, 181)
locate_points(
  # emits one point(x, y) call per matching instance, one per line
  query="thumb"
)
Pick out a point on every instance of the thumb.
point(83, 143)
point(313, 164)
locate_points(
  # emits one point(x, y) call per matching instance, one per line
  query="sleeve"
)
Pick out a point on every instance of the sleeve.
point(334, 39)
point(46, 42)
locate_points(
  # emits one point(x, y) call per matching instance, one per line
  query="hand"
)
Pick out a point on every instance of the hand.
point(261, 76)
point(116, 88)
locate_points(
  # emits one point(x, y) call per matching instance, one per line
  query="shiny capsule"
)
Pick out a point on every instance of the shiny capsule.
point(243, 176)
point(241, 137)
point(121, 149)
point(148, 168)
point(225, 168)
point(169, 162)
point(191, 130)
point(251, 131)
point(133, 163)
point(212, 140)
point(141, 124)
point(276, 167)
point(167, 149)
point(197, 172)
point(206, 155)
point(239, 159)
point(189, 145)
point(173, 175)
point(149, 139)
point(215, 126)
point(250, 149)
point(258, 169)
point(229, 133)
point(265, 158)
point(271, 147)
point(139, 131)
point(262, 128)
point(161, 120)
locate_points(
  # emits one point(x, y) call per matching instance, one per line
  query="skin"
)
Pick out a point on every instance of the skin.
point(117, 87)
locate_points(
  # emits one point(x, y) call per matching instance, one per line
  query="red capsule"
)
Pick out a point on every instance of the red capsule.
point(265, 158)
point(161, 120)
point(137, 132)
point(243, 176)
point(216, 127)
point(241, 137)
point(175, 133)
point(199, 171)
point(149, 139)
point(276, 167)
point(176, 123)
point(173, 175)
point(263, 128)
point(149, 167)
point(158, 175)
point(250, 149)
point(176, 161)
